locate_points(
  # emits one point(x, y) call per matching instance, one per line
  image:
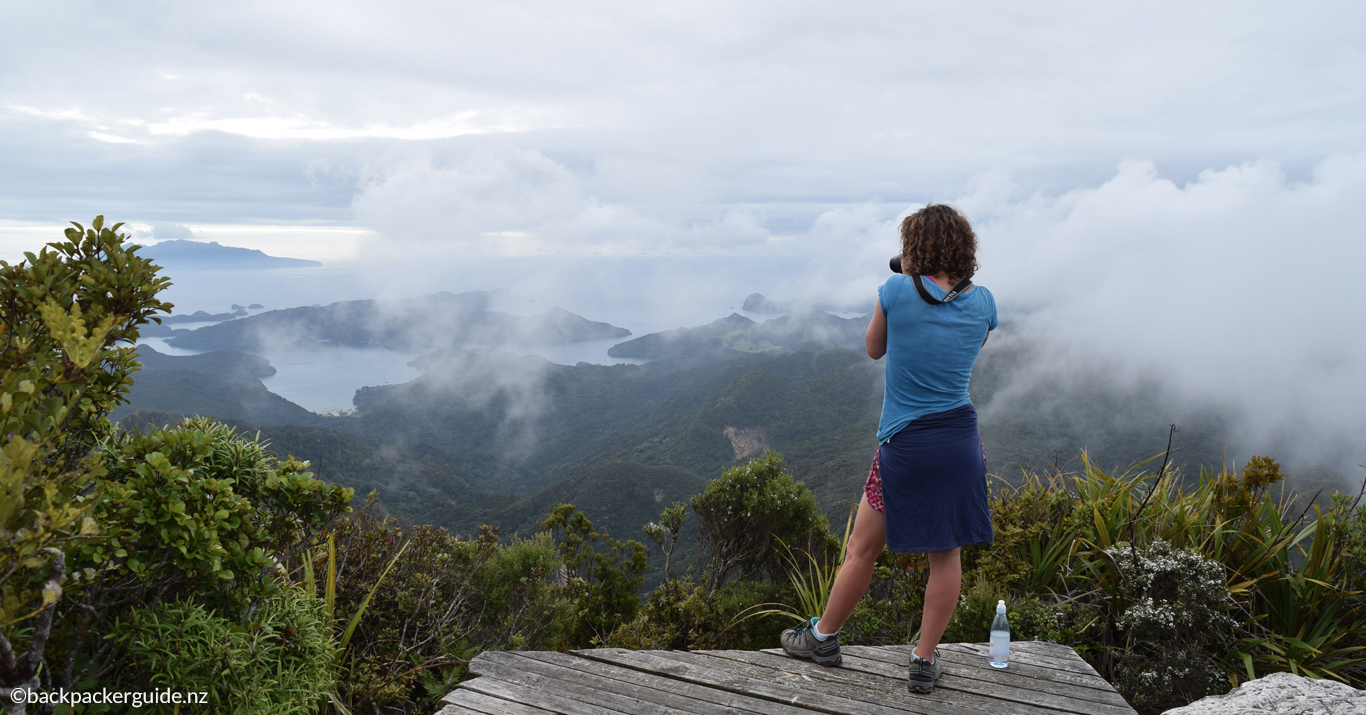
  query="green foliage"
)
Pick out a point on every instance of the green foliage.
point(195, 508)
point(686, 615)
point(1035, 526)
point(1031, 617)
point(1349, 517)
point(63, 311)
point(1303, 618)
point(195, 514)
point(1241, 587)
point(811, 582)
point(280, 661)
point(665, 533)
point(746, 515)
point(889, 613)
point(430, 602)
point(1176, 615)
point(601, 573)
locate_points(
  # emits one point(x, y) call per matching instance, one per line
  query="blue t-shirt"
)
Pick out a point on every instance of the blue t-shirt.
point(930, 349)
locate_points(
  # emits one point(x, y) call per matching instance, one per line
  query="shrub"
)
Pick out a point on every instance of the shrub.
point(1031, 617)
point(442, 599)
point(1176, 615)
point(1035, 526)
point(745, 515)
point(279, 661)
point(194, 513)
point(601, 574)
point(685, 615)
point(197, 508)
point(889, 613)
point(63, 311)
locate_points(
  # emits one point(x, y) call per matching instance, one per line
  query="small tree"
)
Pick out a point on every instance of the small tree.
point(601, 573)
point(745, 516)
point(665, 534)
point(68, 319)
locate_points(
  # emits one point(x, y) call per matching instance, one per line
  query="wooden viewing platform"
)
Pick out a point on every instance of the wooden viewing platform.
point(1043, 679)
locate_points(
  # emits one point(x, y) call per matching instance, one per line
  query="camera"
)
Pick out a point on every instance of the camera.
point(896, 263)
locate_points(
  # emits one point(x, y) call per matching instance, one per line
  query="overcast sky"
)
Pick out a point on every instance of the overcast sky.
point(1162, 184)
point(642, 127)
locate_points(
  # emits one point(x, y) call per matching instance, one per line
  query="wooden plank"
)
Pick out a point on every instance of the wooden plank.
point(1052, 655)
point(1075, 670)
point(971, 661)
point(1058, 649)
point(973, 668)
point(1014, 688)
point(852, 684)
point(495, 688)
point(551, 665)
point(699, 670)
point(521, 693)
point(1025, 652)
point(1044, 679)
point(1019, 651)
point(471, 701)
point(728, 700)
point(885, 689)
point(496, 666)
point(969, 682)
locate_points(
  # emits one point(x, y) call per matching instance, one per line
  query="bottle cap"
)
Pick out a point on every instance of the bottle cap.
point(1001, 606)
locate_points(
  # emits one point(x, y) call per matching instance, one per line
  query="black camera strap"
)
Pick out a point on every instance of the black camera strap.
point(958, 289)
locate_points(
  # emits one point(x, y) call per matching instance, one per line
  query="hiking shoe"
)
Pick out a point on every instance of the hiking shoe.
point(800, 642)
point(924, 672)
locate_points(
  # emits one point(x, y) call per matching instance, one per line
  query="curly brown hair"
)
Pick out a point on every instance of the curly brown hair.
point(937, 239)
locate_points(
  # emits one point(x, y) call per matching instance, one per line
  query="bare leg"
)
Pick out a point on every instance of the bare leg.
point(865, 545)
point(941, 597)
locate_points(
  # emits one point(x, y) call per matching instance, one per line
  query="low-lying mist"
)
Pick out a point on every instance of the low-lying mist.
point(1231, 297)
point(1226, 304)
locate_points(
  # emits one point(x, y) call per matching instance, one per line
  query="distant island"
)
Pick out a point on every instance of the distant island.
point(202, 316)
point(429, 322)
point(736, 333)
point(212, 255)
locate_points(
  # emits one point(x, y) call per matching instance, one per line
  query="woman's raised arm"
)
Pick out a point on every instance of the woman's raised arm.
point(876, 337)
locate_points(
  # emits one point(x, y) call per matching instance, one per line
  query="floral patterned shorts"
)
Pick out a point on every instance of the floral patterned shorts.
point(872, 488)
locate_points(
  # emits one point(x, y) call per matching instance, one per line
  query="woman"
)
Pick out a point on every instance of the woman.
point(926, 491)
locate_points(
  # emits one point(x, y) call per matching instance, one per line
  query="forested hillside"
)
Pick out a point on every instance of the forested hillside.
point(489, 437)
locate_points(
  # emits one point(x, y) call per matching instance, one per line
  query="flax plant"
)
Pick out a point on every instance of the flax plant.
point(811, 584)
point(1284, 571)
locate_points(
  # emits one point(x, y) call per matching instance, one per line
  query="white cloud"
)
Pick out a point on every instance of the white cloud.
point(1238, 288)
point(492, 198)
point(687, 111)
point(756, 129)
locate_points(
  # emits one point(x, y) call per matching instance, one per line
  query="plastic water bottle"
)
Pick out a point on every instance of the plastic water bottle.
point(1000, 638)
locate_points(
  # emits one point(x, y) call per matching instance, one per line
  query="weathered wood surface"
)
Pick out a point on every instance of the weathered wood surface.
point(1043, 679)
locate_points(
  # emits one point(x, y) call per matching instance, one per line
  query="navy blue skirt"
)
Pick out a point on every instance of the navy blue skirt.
point(934, 484)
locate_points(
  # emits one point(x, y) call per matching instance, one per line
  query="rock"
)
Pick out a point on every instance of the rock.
point(1281, 694)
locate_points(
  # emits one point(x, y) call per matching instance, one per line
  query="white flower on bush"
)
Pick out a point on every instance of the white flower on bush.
point(1178, 602)
point(1173, 589)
